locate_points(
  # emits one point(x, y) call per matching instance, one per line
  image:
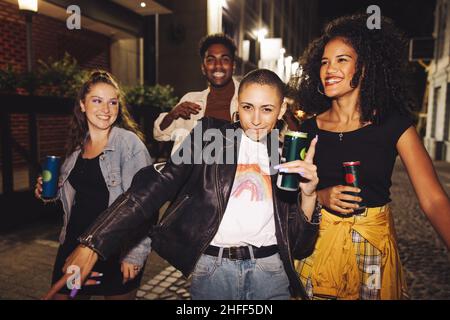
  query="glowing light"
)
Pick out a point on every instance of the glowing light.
point(261, 33)
point(28, 5)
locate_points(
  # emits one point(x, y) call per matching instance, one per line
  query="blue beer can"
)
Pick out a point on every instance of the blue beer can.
point(50, 174)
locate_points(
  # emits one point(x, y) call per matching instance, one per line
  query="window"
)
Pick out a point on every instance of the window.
point(228, 27)
point(276, 27)
point(447, 114)
point(442, 13)
point(436, 96)
point(252, 55)
point(252, 5)
point(265, 12)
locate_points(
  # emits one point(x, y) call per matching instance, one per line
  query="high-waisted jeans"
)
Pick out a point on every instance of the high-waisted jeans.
point(219, 278)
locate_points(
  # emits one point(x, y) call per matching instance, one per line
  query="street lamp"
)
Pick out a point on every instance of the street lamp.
point(287, 68)
point(214, 16)
point(270, 52)
point(261, 34)
point(29, 8)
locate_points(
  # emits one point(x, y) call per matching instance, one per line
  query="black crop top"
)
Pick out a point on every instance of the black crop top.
point(373, 145)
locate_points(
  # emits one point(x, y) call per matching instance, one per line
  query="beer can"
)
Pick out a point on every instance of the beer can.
point(352, 179)
point(50, 173)
point(294, 148)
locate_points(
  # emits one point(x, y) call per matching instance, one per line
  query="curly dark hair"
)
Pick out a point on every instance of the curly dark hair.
point(218, 38)
point(79, 127)
point(381, 66)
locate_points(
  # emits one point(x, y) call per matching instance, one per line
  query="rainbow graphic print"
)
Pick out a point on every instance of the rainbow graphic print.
point(253, 182)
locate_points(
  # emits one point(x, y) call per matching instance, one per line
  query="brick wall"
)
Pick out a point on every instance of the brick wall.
point(19, 132)
point(12, 37)
point(51, 38)
point(52, 131)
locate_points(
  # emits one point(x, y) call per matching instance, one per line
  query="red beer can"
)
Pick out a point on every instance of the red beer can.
point(352, 179)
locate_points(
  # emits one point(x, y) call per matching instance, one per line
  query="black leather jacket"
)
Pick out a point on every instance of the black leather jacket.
point(199, 195)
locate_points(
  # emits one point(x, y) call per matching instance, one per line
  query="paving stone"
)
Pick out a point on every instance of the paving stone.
point(177, 274)
point(171, 268)
point(186, 295)
point(151, 296)
point(173, 288)
point(171, 279)
point(158, 290)
point(153, 282)
point(159, 277)
point(165, 284)
point(181, 291)
point(140, 293)
point(146, 287)
point(180, 283)
point(166, 295)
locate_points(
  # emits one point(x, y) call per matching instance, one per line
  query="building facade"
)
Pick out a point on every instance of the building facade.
point(437, 139)
point(143, 42)
point(111, 37)
point(294, 21)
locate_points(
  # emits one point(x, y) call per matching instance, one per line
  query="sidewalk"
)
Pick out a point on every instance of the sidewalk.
point(26, 257)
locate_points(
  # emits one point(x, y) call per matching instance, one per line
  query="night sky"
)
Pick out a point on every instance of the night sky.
point(414, 17)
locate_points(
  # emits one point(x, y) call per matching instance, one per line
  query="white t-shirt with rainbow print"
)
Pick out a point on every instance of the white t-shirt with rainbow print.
point(248, 218)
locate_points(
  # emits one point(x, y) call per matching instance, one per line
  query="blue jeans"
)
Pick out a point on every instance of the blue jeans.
point(218, 278)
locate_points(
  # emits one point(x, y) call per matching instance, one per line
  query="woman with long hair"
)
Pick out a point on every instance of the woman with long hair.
point(104, 150)
point(353, 83)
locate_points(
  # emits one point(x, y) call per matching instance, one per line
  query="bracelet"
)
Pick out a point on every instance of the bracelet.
point(318, 207)
point(52, 200)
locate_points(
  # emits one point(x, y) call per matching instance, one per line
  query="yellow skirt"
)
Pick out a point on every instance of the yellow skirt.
point(355, 257)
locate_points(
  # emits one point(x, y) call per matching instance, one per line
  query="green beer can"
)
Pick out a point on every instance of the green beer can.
point(294, 148)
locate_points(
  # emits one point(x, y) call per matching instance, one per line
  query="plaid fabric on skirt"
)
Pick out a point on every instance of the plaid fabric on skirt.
point(368, 261)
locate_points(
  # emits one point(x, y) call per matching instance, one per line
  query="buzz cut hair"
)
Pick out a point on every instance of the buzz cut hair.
point(263, 77)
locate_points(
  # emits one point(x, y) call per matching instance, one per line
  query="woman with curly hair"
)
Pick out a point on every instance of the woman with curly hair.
point(353, 83)
point(104, 151)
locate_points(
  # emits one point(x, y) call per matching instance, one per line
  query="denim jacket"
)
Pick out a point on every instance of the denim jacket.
point(122, 157)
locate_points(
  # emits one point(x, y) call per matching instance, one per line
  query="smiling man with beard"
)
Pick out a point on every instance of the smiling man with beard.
point(218, 101)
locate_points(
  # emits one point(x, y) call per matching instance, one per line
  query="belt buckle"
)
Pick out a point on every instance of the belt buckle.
point(234, 253)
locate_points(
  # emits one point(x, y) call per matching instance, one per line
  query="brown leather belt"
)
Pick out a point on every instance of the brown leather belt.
point(242, 253)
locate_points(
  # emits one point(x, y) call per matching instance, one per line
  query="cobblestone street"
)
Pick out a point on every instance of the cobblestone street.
point(424, 256)
point(26, 257)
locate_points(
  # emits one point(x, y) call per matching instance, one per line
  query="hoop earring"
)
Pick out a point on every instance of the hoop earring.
point(235, 117)
point(318, 89)
point(352, 82)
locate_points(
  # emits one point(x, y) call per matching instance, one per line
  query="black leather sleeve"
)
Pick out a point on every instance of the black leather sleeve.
point(132, 215)
point(302, 233)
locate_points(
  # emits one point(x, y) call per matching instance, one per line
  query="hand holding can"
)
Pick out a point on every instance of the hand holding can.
point(50, 174)
point(294, 148)
point(352, 179)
